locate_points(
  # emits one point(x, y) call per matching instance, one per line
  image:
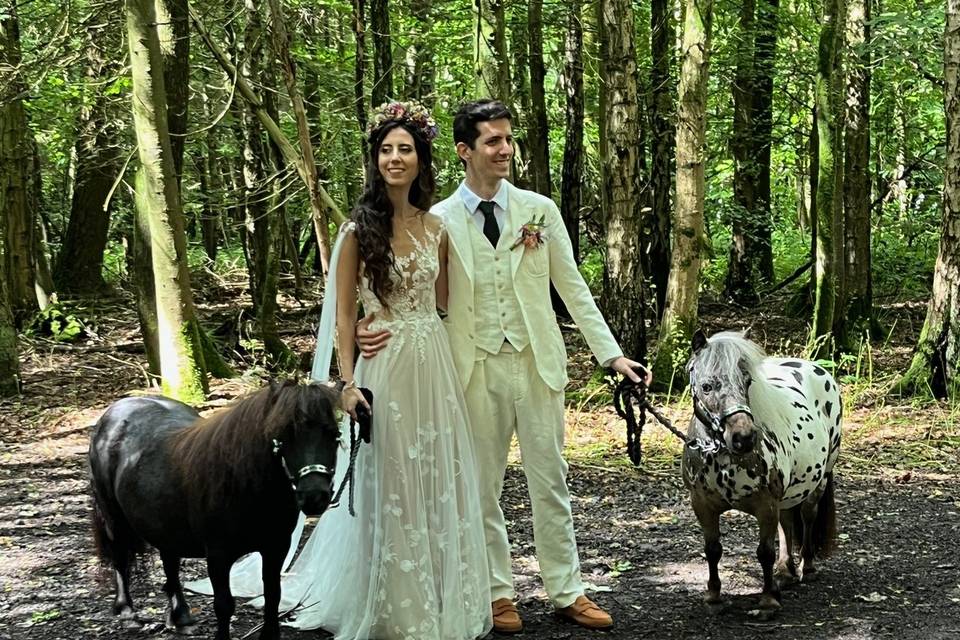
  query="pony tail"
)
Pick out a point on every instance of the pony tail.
point(825, 526)
point(114, 540)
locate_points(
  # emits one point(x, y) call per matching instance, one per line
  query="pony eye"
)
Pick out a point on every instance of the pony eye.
point(706, 387)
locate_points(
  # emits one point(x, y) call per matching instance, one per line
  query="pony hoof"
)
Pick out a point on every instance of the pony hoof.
point(769, 602)
point(714, 604)
point(185, 630)
point(130, 623)
point(183, 625)
point(764, 615)
point(786, 580)
point(810, 576)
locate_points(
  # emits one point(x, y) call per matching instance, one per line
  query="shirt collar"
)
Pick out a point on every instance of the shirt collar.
point(472, 200)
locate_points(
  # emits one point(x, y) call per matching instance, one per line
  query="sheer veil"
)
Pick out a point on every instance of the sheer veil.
point(245, 576)
point(326, 331)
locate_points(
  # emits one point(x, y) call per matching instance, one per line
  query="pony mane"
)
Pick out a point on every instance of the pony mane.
point(230, 452)
point(730, 353)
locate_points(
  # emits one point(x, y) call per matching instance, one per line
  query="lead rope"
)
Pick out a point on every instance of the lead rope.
point(625, 394)
point(348, 476)
point(360, 430)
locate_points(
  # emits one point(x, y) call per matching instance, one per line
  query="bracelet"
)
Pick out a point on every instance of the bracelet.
point(352, 384)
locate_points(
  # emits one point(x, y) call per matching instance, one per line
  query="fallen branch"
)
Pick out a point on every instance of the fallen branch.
point(796, 274)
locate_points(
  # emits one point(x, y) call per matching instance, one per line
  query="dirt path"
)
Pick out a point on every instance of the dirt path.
point(895, 573)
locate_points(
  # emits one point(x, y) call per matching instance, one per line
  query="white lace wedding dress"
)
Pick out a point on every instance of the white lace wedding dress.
point(412, 563)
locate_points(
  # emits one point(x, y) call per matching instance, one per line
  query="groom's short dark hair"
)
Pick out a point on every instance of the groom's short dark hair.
point(470, 113)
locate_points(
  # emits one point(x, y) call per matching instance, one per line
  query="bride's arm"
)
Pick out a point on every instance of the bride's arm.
point(442, 281)
point(348, 268)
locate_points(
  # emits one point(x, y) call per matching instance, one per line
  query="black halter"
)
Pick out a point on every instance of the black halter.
point(303, 471)
point(713, 422)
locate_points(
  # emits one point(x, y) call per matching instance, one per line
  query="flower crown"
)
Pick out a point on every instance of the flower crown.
point(412, 113)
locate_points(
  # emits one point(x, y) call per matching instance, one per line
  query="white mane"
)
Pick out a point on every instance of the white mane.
point(726, 352)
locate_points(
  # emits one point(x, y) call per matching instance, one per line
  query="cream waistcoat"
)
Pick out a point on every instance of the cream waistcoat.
point(498, 315)
point(531, 271)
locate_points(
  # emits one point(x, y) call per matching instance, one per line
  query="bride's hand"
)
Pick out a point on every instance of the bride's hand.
point(350, 398)
point(370, 342)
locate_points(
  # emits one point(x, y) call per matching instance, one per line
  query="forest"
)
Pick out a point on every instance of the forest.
point(173, 175)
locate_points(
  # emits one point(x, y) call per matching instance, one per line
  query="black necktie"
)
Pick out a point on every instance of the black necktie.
point(490, 227)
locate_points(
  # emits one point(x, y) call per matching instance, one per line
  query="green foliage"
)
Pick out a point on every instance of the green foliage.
point(115, 263)
point(60, 324)
point(597, 392)
point(591, 268)
point(40, 617)
point(907, 127)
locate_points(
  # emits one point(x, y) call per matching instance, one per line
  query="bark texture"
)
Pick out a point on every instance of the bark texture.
point(623, 287)
point(682, 299)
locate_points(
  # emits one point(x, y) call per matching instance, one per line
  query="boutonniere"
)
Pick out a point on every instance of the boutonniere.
point(532, 234)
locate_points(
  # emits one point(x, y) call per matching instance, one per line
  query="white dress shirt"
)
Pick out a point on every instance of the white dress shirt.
point(472, 201)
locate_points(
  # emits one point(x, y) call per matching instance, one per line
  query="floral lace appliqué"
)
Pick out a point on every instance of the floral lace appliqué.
point(412, 312)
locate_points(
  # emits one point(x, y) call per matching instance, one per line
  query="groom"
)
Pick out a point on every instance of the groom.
point(510, 355)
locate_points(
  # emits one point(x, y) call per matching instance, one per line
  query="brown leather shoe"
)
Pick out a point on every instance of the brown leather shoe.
point(586, 613)
point(506, 619)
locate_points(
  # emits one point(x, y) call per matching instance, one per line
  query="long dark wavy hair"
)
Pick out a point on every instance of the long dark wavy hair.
point(373, 214)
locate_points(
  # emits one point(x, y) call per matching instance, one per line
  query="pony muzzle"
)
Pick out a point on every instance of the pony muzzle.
point(313, 494)
point(740, 433)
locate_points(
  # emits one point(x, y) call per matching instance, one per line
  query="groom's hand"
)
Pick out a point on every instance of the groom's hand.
point(628, 367)
point(370, 342)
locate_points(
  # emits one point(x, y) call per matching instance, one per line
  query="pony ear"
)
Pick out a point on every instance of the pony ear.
point(699, 341)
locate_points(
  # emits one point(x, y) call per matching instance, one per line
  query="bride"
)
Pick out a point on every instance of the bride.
point(412, 563)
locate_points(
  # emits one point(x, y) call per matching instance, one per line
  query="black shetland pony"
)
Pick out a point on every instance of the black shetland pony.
point(217, 487)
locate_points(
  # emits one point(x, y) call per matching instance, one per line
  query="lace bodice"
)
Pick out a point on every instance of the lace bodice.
point(412, 305)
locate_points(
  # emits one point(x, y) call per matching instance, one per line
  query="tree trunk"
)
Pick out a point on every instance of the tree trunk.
point(741, 281)
point(520, 101)
point(680, 312)
point(857, 318)
point(79, 266)
point(421, 77)
point(208, 172)
point(272, 128)
point(936, 362)
point(255, 193)
point(140, 265)
point(656, 226)
point(281, 43)
point(537, 124)
point(571, 186)
point(9, 360)
point(181, 355)
point(269, 238)
point(830, 115)
point(765, 51)
point(43, 278)
point(17, 223)
point(173, 28)
point(359, 71)
point(751, 258)
point(382, 89)
point(491, 65)
point(623, 295)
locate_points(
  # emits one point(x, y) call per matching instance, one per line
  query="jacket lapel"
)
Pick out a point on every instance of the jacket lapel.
point(515, 220)
point(457, 219)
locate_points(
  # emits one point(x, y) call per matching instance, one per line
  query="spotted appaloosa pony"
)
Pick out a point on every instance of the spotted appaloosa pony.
point(764, 438)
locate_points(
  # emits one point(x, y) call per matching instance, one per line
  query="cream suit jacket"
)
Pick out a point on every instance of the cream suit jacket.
point(532, 269)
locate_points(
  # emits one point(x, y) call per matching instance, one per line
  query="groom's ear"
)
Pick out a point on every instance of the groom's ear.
point(463, 151)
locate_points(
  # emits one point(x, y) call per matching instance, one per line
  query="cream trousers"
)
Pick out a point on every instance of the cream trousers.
point(507, 395)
